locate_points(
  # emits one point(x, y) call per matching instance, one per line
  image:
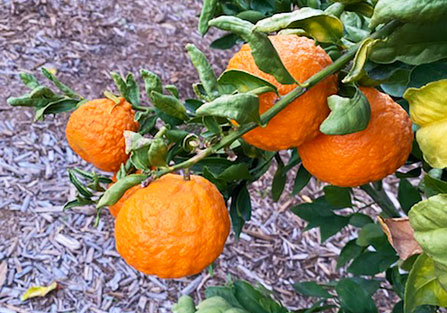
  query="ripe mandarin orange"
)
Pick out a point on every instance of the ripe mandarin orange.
point(366, 156)
point(300, 120)
point(95, 132)
point(172, 228)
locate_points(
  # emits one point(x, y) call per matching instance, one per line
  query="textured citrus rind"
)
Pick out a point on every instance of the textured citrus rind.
point(172, 228)
point(95, 132)
point(366, 156)
point(301, 119)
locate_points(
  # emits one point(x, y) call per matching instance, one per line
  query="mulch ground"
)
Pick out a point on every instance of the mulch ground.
point(83, 41)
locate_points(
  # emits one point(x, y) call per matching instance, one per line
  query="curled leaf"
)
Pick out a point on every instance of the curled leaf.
point(241, 81)
point(356, 72)
point(264, 54)
point(135, 141)
point(38, 291)
point(208, 10)
point(321, 26)
point(170, 105)
point(116, 191)
point(243, 108)
point(428, 109)
point(206, 73)
point(152, 82)
point(401, 236)
point(348, 115)
point(157, 153)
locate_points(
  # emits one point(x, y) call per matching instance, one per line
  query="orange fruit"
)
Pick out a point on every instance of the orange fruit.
point(366, 156)
point(172, 228)
point(300, 120)
point(95, 132)
point(115, 208)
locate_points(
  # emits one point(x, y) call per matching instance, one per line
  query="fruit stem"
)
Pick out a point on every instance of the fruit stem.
point(281, 103)
point(382, 199)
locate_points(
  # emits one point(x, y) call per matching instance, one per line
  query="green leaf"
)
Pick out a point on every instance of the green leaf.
point(227, 41)
point(279, 182)
point(29, 80)
point(338, 196)
point(321, 26)
point(359, 220)
point(350, 251)
point(356, 72)
point(416, 172)
point(428, 219)
point(242, 107)
point(422, 286)
point(128, 88)
point(363, 8)
point(240, 209)
point(241, 81)
point(133, 91)
point(301, 180)
point(354, 298)
point(62, 105)
point(408, 11)
point(224, 292)
point(264, 54)
point(172, 89)
point(206, 73)
point(208, 10)
point(253, 300)
point(397, 280)
point(38, 291)
point(78, 185)
point(157, 153)
point(408, 195)
point(251, 16)
point(152, 82)
point(371, 263)
point(413, 44)
point(311, 289)
point(62, 87)
point(79, 202)
point(348, 115)
point(116, 191)
point(370, 234)
point(434, 186)
point(425, 73)
point(169, 105)
point(235, 172)
point(319, 214)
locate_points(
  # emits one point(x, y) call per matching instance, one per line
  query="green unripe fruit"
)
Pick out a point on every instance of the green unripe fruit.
point(184, 305)
point(217, 303)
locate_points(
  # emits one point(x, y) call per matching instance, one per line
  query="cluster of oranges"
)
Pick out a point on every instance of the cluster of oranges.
point(176, 227)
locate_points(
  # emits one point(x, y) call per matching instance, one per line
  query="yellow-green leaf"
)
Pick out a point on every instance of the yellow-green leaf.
point(356, 72)
point(428, 109)
point(321, 26)
point(422, 286)
point(429, 103)
point(431, 139)
point(428, 219)
point(38, 291)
